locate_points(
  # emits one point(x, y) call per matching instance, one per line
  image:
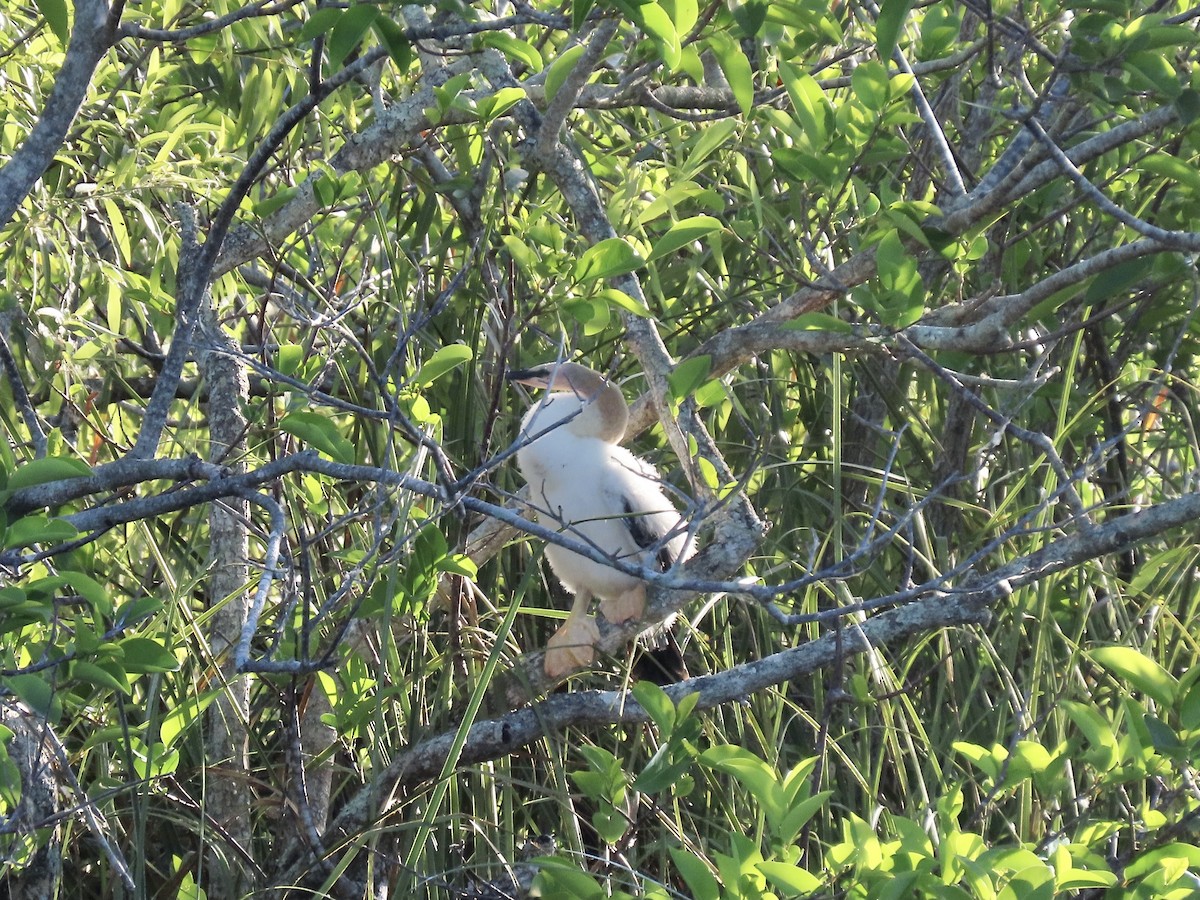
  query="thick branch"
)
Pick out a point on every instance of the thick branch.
point(91, 36)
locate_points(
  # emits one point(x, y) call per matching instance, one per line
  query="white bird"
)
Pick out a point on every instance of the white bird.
point(590, 488)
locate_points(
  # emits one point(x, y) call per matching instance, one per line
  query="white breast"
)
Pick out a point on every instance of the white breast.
point(581, 485)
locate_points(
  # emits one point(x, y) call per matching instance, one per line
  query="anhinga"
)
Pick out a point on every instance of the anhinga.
point(586, 485)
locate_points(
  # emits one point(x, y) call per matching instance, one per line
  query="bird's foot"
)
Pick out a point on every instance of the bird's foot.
point(630, 605)
point(572, 647)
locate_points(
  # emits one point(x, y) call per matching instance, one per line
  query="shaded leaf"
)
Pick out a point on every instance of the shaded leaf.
point(47, 469)
point(892, 14)
point(688, 375)
point(38, 530)
point(391, 36)
point(143, 655)
point(55, 12)
point(349, 30)
point(318, 431)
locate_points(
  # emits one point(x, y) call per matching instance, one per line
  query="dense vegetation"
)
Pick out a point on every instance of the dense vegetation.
point(914, 284)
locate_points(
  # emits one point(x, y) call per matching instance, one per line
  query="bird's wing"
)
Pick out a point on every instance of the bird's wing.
point(644, 529)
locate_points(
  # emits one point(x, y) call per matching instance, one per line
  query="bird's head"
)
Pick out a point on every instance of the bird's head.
point(604, 410)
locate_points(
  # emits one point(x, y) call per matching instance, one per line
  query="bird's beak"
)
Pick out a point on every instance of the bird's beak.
point(538, 377)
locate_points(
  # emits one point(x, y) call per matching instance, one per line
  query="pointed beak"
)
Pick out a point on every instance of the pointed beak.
point(539, 377)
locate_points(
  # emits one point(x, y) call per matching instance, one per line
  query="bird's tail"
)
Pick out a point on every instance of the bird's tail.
point(659, 658)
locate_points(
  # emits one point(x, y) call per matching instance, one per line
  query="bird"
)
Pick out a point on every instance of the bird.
point(583, 483)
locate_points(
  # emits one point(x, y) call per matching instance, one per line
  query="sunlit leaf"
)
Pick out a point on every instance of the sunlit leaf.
point(683, 233)
point(1139, 670)
point(790, 877)
point(444, 360)
point(514, 48)
point(622, 300)
point(500, 102)
point(561, 68)
point(607, 259)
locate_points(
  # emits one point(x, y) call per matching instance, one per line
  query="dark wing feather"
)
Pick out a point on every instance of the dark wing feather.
point(645, 535)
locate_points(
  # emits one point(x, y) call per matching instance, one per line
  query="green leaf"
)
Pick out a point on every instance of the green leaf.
point(184, 714)
point(560, 69)
point(499, 103)
point(736, 68)
point(688, 375)
point(752, 772)
point(870, 84)
point(47, 469)
point(1171, 167)
point(392, 37)
point(809, 103)
point(654, 20)
point(816, 321)
point(91, 590)
point(683, 233)
point(607, 259)
point(701, 883)
point(320, 432)
point(622, 300)
point(120, 231)
point(38, 530)
point(144, 655)
point(654, 700)
point(892, 14)
point(683, 13)
point(796, 815)
point(710, 140)
point(446, 359)
point(1187, 105)
point(1153, 72)
point(579, 12)
point(514, 48)
point(95, 675)
point(55, 12)
point(750, 16)
point(1189, 709)
point(350, 29)
point(610, 825)
point(790, 877)
point(36, 692)
point(320, 22)
point(1138, 670)
point(264, 208)
point(1147, 862)
point(1097, 731)
point(1117, 280)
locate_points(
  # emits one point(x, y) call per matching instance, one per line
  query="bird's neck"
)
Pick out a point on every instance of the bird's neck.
point(612, 414)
